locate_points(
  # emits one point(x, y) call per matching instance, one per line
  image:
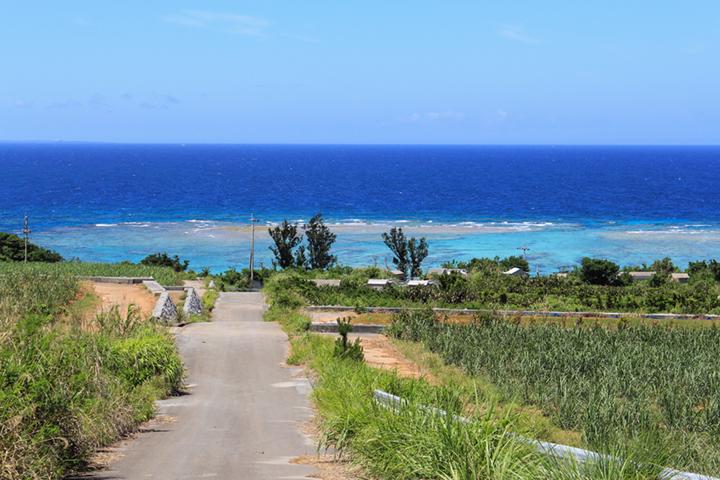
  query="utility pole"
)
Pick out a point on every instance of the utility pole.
point(26, 234)
point(524, 250)
point(253, 220)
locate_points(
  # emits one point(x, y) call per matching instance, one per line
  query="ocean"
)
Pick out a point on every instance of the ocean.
point(113, 202)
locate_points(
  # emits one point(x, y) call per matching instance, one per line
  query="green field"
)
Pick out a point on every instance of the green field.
point(164, 275)
point(657, 385)
point(646, 390)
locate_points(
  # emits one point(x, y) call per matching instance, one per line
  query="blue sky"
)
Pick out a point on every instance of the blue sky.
point(512, 72)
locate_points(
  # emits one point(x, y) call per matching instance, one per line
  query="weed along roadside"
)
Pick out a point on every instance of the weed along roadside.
point(69, 387)
point(519, 401)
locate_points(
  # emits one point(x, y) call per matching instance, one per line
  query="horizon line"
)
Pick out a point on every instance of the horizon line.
point(352, 144)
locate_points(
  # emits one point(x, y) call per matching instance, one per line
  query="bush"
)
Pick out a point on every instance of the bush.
point(165, 260)
point(599, 272)
point(345, 349)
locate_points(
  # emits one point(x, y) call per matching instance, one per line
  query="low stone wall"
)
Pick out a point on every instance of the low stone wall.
point(323, 327)
point(121, 280)
point(520, 313)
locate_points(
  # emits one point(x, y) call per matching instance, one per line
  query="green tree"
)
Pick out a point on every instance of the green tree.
point(417, 252)
point(12, 249)
point(397, 243)
point(165, 260)
point(703, 268)
point(514, 261)
point(599, 272)
point(286, 240)
point(408, 255)
point(319, 241)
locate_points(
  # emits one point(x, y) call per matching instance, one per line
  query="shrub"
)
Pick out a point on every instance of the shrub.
point(343, 348)
point(165, 260)
point(599, 272)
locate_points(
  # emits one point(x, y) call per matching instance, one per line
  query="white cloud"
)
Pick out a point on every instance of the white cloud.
point(517, 33)
point(433, 116)
point(221, 21)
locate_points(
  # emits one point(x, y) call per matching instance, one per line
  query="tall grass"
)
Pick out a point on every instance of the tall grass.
point(413, 442)
point(630, 384)
point(164, 275)
point(66, 389)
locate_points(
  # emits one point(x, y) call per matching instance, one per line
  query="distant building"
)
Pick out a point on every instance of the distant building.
point(398, 274)
point(516, 272)
point(561, 274)
point(326, 282)
point(641, 276)
point(380, 283)
point(447, 271)
point(419, 283)
point(680, 277)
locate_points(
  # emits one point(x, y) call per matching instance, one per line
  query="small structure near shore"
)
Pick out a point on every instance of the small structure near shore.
point(516, 272)
point(680, 277)
point(326, 282)
point(641, 276)
point(380, 283)
point(439, 272)
point(419, 283)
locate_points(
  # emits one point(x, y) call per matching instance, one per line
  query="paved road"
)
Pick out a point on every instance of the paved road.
point(242, 416)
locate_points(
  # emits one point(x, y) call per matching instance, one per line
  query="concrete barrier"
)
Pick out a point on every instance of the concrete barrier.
point(193, 304)
point(165, 309)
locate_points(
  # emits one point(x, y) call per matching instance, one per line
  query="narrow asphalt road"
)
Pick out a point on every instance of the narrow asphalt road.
point(242, 416)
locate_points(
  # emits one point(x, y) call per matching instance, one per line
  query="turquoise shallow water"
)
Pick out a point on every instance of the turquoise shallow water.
point(120, 202)
point(219, 245)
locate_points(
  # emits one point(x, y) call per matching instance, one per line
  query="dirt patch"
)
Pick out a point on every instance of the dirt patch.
point(123, 295)
point(381, 353)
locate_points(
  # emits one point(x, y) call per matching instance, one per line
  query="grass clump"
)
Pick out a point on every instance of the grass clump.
point(68, 388)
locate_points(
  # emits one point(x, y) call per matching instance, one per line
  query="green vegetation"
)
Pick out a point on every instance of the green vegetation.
point(68, 387)
point(287, 247)
point(320, 240)
point(408, 254)
point(12, 249)
point(599, 272)
point(488, 288)
point(631, 385)
point(164, 275)
point(290, 252)
point(345, 348)
point(496, 264)
point(209, 299)
point(165, 260)
point(413, 442)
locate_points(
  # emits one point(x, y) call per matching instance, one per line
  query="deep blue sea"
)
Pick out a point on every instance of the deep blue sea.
point(114, 202)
